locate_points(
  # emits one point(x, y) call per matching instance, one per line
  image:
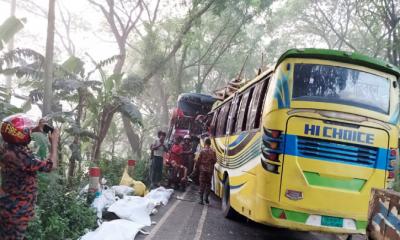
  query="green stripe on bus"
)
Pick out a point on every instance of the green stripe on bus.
point(290, 215)
point(276, 212)
point(315, 179)
point(296, 216)
point(361, 225)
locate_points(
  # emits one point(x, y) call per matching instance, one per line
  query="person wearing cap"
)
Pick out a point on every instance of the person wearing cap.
point(19, 168)
point(157, 148)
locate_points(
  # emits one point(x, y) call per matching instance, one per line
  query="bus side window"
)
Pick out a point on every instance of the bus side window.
point(214, 123)
point(242, 113)
point(222, 120)
point(257, 101)
point(261, 102)
point(233, 114)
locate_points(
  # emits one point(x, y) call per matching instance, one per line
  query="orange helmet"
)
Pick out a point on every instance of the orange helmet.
point(16, 129)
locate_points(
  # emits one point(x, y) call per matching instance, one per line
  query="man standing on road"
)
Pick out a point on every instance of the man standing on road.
point(205, 165)
point(19, 169)
point(157, 149)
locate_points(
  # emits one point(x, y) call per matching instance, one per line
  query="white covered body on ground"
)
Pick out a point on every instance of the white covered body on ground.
point(134, 212)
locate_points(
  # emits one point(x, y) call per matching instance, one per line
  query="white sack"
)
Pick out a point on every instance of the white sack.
point(116, 230)
point(123, 190)
point(106, 199)
point(133, 208)
point(160, 196)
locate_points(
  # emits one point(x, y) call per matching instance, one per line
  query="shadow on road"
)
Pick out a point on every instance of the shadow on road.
point(218, 227)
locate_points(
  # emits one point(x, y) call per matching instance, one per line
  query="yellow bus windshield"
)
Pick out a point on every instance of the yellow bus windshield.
point(334, 84)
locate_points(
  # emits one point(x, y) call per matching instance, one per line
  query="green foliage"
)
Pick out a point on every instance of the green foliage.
point(9, 28)
point(60, 214)
point(142, 171)
point(129, 109)
point(112, 170)
point(5, 106)
point(74, 65)
point(40, 144)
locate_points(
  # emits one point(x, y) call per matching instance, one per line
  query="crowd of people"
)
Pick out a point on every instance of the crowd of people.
point(181, 163)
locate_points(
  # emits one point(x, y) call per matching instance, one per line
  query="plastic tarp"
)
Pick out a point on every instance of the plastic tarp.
point(103, 201)
point(193, 104)
point(135, 209)
point(122, 190)
point(126, 180)
point(160, 196)
point(134, 212)
point(120, 229)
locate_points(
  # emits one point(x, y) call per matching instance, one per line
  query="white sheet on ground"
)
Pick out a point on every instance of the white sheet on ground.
point(105, 200)
point(133, 208)
point(123, 190)
point(160, 195)
point(116, 230)
point(134, 212)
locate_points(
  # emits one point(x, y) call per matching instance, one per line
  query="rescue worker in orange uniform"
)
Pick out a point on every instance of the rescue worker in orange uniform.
point(19, 169)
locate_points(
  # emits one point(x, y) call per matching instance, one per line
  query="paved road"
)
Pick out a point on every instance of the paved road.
point(184, 219)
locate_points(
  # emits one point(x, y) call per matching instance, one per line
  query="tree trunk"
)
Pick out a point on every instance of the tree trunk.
point(105, 122)
point(76, 153)
point(11, 44)
point(121, 61)
point(130, 133)
point(179, 88)
point(164, 118)
point(132, 137)
point(48, 71)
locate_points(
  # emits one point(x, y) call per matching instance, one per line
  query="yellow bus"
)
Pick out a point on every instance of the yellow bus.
point(302, 144)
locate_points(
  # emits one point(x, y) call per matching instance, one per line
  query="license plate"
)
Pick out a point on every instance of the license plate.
point(332, 221)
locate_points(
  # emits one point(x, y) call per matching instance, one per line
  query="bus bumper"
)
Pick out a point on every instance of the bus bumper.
point(278, 215)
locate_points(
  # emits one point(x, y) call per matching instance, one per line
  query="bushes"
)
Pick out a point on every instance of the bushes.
point(142, 171)
point(112, 170)
point(59, 212)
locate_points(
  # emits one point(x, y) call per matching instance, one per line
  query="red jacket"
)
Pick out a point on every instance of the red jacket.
point(176, 153)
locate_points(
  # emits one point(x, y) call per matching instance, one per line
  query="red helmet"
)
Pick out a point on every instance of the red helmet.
point(16, 129)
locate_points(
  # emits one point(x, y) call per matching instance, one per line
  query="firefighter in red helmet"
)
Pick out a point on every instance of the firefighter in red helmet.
point(19, 169)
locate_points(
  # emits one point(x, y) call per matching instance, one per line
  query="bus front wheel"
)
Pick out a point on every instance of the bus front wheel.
point(227, 210)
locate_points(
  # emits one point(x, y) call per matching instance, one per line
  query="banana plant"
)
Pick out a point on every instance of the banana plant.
point(93, 91)
point(9, 28)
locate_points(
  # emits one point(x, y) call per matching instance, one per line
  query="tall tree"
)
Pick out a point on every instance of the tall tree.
point(13, 7)
point(48, 71)
point(122, 17)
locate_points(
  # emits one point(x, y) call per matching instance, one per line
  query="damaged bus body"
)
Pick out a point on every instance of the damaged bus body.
point(302, 145)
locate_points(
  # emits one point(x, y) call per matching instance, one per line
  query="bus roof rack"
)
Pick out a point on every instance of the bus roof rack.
point(341, 56)
point(231, 87)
